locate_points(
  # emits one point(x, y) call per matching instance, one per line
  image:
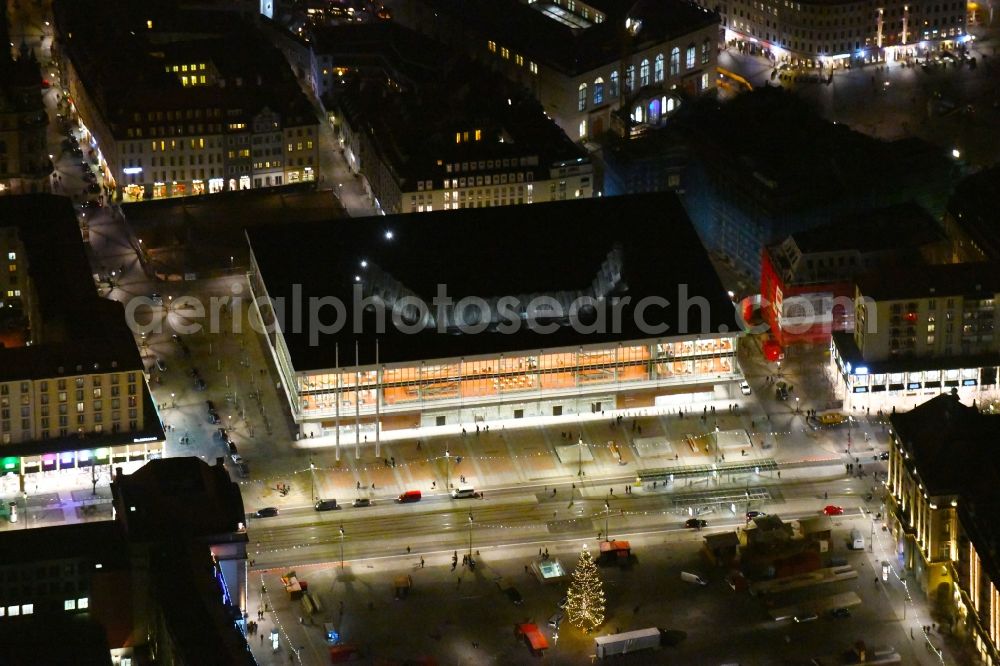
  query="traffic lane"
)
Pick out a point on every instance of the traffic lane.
point(319, 541)
point(849, 492)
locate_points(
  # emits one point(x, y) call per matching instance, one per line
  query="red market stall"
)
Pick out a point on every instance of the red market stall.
point(532, 636)
point(615, 551)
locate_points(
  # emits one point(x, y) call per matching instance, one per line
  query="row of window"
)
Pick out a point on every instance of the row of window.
point(79, 382)
point(505, 54)
point(599, 91)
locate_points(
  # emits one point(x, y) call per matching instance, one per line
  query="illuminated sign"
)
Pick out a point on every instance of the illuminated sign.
point(128, 171)
point(968, 382)
point(913, 385)
point(861, 389)
point(139, 440)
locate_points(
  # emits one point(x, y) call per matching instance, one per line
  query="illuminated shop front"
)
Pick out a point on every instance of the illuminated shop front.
point(140, 450)
point(903, 384)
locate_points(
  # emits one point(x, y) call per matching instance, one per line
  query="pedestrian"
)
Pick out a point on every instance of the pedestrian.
point(407, 550)
point(393, 461)
point(359, 485)
point(373, 486)
point(612, 492)
point(525, 568)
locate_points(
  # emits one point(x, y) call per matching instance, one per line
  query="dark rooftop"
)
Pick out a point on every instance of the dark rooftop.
point(78, 331)
point(974, 207)
point(755, 141)
point(183, 495)
point(945, 440)
point(848, 350)
point(251, 73)
point(414, 125)
point(634, 246)
point(889, 228)
point(526, 30)
point(974, 280)
point(100, 542)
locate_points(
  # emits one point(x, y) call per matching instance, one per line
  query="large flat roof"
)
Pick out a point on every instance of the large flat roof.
point(638, 246)
point(78, 332)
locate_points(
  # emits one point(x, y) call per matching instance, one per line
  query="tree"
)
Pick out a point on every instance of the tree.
point(585, 598)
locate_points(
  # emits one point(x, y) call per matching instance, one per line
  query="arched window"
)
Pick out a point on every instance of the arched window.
point(598, 91)
point(689, 56)
point(658, 69)
point(630, 78)
point(675, 61)
point(637, 114)
point(613, 85)
point(582, 97)
point(705, 51)
point(669, 105)
point(644, 73)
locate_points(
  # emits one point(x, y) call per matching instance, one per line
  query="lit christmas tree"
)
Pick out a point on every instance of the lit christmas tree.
point(585, 598)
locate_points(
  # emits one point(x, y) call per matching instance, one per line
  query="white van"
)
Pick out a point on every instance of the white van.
point(857, 540)
point(693, 578)
point(463, 492)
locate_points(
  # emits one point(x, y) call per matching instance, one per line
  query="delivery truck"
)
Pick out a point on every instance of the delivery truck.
point(627, 642)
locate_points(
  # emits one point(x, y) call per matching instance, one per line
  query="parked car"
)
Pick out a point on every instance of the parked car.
point(806, 617)
point(840, 613)
point(267, 512)
point(754, 514)
point(243, 469)
point(362, 501)
point(556, 619)
point(884, 455)
point(156, 299)
point(211, 406)
point(745, 388)
point(695, 523)
point(514, 596)
point(231, 445)
point(833, 510)
point(199, 384)
point(236, 458)
point(326, 505)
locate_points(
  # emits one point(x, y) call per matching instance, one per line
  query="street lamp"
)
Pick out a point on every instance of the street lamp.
point(470, 541)
point(447, 470)
point(312, 479)
point(580, 443)
point(341, 546)
point(173, 402)
point(607, 512)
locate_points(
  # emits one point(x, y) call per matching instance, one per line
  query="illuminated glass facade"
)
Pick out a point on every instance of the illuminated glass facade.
point(516, 380)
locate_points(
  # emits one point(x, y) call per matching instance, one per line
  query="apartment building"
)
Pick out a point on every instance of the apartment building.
point(942, 506)
point(920, 331)
point(583, 60)
point(204, 91)
point(430, 130)
point(807, 280)
point(72, 385)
